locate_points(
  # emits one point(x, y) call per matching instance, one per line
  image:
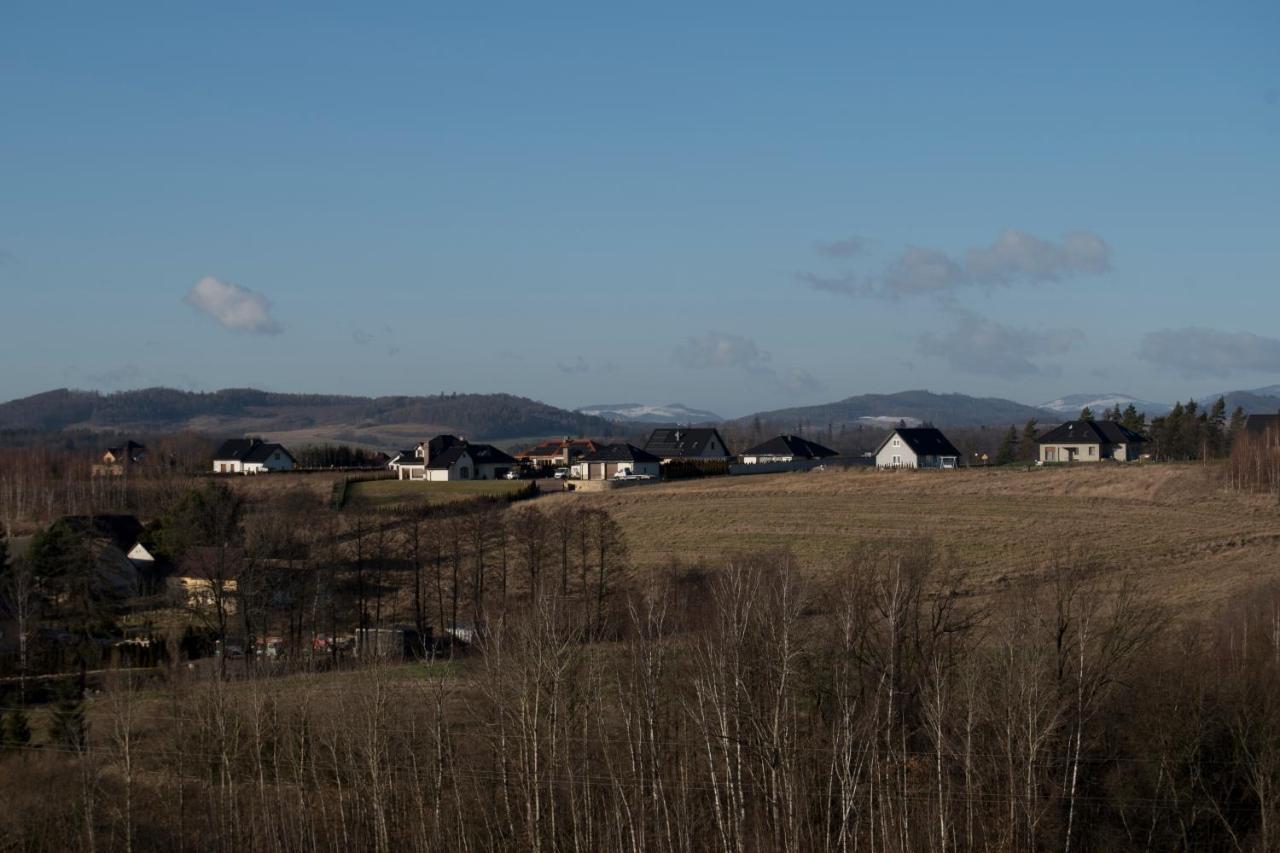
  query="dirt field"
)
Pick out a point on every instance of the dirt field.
point(1171, 526)
point(382, 493)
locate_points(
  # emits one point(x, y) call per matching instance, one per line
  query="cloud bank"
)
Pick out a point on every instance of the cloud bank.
point(1197, 352)
point(736, 352)
point(985, 347)
point(233, 307)
point(1015, 258)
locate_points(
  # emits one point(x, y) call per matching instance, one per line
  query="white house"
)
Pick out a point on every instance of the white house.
point(786, 448)
point(916, 447)
point(251, 456)
point(617, 460)
point(447, 457)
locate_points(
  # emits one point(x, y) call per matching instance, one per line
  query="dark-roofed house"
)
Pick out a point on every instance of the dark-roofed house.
point(917, 447)
point(559, 451)
point(687, 443)
point(1259, 424)
point(617, 460)
point(1090, 441)
point(447, 457)
point(786, 448)
point(251, 456)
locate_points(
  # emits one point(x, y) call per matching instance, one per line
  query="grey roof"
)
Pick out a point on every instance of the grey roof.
point(248, 450)
point(1261, 423)
point(683, 442)
point(790, 445)
point(620, 453)
point(1090, 432)
point(925, 441)
point(121, 530)
point(445, 450)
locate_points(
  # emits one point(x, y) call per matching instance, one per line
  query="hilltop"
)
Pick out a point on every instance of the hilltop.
point(376, 421)
point(911, 406)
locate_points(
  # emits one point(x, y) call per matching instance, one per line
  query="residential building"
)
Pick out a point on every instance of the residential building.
point(447, 457)
point(687, 444)
point(786, 448)
point(117, 461)
point(251, 456)
point(616, 460)
point(559, 452)
point(1090, 441)
point(916, 447)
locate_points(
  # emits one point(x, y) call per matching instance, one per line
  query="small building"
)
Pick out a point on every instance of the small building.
point(447, 457)
point(251, 456)
point(916, 447)
point(1090, 441)
point(786, 448)
point(617, 460)
point(116, 461)
point(1261, 424)
point(688, 444)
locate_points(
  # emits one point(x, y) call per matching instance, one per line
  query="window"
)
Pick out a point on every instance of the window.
point(1091, 450)
point(897, 461)
point(897, 443)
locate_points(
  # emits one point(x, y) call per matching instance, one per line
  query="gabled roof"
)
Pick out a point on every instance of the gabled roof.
point(678, 442)
point(925, 441)
point(452, 450)
point(620, 453)
point(1261, 423)
point(248, 450)
point(1090, 432)
point(790, 445)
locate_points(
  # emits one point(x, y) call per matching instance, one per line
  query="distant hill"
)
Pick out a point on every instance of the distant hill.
point(911, 406)
point(1255, 401)
point(302, 418)
point(641, 413)
point(1072, 404)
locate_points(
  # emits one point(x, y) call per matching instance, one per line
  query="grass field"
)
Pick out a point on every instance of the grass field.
point(384, 493)
point(1172, 528)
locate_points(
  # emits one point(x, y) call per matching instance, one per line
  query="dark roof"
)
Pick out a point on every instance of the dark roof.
point(445, 450)
point(675, 443)
point(120, 530)
point(1090, 432)
point(790, 445)
point(248, 450)
point(130, 449)
point(620, 453)
point(925, 441)
point(1261, 423)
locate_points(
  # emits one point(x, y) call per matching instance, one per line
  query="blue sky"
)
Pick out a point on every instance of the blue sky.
point(738, 207)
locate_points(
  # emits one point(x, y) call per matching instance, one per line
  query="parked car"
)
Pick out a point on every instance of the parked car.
point(562, 473)
point(514, 474)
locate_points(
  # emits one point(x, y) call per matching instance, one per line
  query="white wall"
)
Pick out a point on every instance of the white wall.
point(906, 456)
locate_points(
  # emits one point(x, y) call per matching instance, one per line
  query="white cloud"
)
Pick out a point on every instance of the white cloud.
point(982, 346)
point(232, 306)
point(1197, 352)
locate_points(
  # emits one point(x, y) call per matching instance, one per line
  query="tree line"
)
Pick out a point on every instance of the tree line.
point(744, 707)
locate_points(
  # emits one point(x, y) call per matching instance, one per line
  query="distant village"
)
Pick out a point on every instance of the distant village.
point(447, 458)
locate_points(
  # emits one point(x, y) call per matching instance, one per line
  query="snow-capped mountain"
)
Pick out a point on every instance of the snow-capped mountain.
point(1099, 403)
point(672, 413)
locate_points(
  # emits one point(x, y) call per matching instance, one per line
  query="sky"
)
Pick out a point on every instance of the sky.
point(738, 207)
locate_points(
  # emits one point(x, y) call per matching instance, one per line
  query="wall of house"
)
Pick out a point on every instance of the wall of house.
point(608, 470)
point(885, 457)
point(1062, 452)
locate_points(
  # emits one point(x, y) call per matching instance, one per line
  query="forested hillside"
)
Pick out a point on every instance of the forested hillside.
point(492, 416)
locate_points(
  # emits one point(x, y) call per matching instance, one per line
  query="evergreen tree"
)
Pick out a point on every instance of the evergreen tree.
point(67, 726)
point(1233, 429)
point(1113, 415)
point(1216, 424)
point(80, 596)
point(1132, 419)
point(1086, 414)
point(1028, 444)
point(1008, 451)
